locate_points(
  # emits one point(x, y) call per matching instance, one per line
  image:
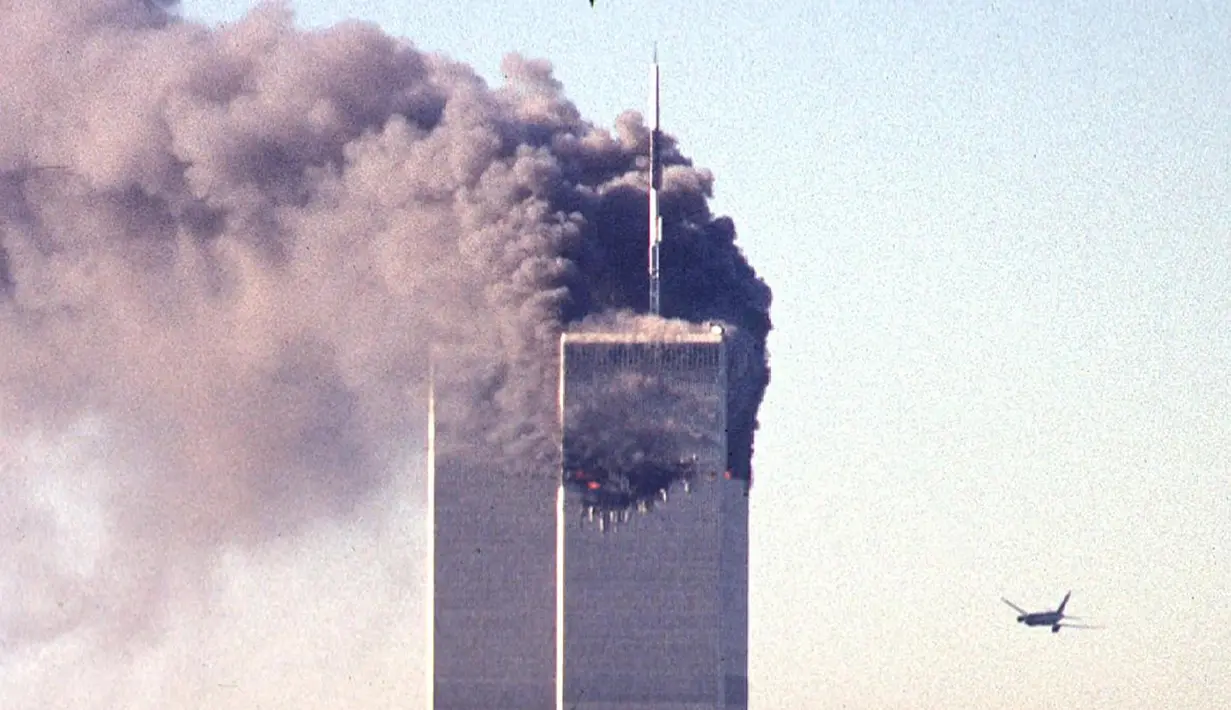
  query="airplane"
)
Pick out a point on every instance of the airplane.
point(1054, 619)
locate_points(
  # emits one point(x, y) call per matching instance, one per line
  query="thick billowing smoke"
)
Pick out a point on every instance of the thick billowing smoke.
point(226, 255)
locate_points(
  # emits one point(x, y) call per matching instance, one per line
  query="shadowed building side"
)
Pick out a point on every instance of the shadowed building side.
point(491, 567)
point(653, 533)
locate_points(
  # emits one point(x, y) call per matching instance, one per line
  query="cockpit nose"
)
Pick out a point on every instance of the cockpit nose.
point(1021, 618)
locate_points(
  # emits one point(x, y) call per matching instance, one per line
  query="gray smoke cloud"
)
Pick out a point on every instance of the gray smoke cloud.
point(226, 293)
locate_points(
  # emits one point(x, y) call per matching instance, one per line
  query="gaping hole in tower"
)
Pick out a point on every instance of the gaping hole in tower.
point(642, 416)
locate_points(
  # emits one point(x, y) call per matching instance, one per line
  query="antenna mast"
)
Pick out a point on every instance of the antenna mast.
point(656, 222)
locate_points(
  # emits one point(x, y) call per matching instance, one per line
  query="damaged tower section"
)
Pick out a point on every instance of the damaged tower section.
point(652, 530)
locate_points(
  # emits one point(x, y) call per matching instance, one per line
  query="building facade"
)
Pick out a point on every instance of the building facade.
point(618, 579)
point(491, 563)
point(652, 546)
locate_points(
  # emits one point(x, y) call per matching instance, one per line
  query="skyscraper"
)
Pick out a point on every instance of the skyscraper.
point(619, 580)
point(491, 561)
point(652, 546)
point(615, 578)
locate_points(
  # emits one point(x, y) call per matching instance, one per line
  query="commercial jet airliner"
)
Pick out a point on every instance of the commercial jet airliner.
point(1054, 619)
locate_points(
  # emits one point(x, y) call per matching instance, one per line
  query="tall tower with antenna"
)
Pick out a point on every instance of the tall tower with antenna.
point(656, 222)
point(621, 583)
point(652, 528)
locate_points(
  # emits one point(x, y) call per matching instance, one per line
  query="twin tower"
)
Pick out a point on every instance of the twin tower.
point(611, 573)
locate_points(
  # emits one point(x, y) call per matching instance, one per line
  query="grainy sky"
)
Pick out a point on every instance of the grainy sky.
point(1000, 250)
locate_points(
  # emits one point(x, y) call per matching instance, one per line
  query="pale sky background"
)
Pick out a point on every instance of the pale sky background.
point(1000, 249)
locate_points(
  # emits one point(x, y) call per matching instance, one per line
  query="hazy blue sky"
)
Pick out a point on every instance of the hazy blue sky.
point(999, 243)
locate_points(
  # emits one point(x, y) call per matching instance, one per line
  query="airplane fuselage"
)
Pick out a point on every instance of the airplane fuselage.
point(1043, 618)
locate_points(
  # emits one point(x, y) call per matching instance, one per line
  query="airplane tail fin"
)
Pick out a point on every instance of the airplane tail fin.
point(1064, 601)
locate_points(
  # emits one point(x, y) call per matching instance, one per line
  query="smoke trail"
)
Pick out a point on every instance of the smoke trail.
point(228, 293)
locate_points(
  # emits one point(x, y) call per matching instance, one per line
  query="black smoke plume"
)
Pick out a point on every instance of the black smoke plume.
point(232, 287)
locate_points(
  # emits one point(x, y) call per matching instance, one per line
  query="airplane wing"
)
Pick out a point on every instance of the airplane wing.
point(1018, 608)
